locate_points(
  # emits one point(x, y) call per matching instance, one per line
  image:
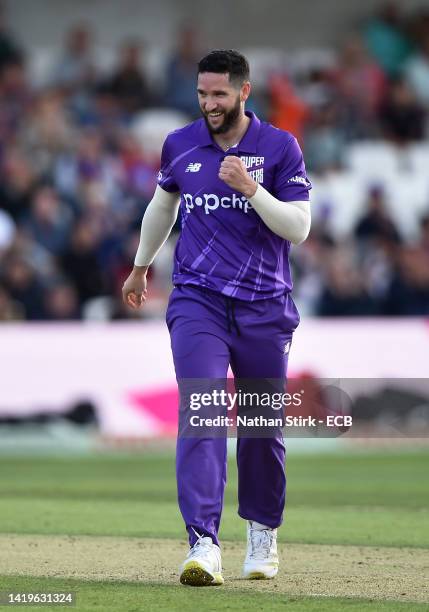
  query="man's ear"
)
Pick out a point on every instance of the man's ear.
point(245, 91)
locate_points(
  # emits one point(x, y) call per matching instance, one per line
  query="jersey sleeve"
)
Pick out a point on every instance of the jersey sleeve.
point(291, 183)
point(165, 175)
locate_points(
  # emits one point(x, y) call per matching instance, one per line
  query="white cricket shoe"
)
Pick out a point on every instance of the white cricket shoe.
point(262, 561)
point(203, 565)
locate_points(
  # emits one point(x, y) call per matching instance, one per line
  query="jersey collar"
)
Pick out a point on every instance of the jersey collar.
point(247, 144)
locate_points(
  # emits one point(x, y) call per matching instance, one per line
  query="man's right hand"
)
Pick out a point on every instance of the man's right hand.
point(134, 289)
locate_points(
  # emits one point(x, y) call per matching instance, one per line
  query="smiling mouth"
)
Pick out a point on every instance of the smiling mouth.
point(214, 115)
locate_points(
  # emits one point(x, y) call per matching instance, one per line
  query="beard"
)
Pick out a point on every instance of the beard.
point(229, 119)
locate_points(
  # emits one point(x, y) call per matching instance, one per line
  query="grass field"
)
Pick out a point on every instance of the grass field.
point(355, 537)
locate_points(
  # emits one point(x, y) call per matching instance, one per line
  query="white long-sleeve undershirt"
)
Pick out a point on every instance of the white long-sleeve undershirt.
point(157, 222)
point(289, 220)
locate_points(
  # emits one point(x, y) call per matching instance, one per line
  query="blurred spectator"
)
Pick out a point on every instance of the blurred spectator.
point(409, 291)
point(402, 118)
point(80, 262)
point(75, 73)
point(24, 287)
point(377, 266)
point(288, 111)
point(139, 171)
point(386, 39)
point(314, 84)
point(75, 70)
point(15, 96)
point(107, 223)
point(123, 259)
point(376, 224)
point(24, 247)
point(307, 269)
point(91, 161)
point(324, 143)
point(9, 48)
point(129, 84)
point(344, 292)
point(378, 241)
point(49, 220)
point(360, 85)
point(17, 182)
point(105, 114)
point(181, 73)
point(89, 165)
point(9, 310)
point(47, 131)
point(61, 302)
point(416, 72)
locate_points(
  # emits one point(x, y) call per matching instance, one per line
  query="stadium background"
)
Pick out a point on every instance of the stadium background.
point(88, 91)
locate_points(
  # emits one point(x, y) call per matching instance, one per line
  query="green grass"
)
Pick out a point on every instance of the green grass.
point(377, 479)
point(132, 597)
point(379, 499)
point(347, 525)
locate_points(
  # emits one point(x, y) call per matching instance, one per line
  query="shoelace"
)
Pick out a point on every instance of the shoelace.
point(200, 547)
point(260, 542)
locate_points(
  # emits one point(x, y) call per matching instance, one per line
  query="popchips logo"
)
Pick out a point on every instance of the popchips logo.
point(210, 202)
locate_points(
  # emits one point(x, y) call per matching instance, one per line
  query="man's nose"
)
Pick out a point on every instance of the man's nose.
point(210, 106)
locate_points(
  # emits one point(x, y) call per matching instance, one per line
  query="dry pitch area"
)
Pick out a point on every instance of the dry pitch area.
point(381, 573)
point(355, 537)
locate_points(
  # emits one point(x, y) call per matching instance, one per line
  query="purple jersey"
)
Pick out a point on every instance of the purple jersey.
point(224, 245)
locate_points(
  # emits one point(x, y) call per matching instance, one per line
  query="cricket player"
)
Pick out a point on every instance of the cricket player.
point(243, 194)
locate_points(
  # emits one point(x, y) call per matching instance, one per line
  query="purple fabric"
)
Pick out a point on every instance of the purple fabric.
point(203, 345)
point(224, 245)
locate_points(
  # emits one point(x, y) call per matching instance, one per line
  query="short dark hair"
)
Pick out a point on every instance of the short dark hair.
point(224, 61)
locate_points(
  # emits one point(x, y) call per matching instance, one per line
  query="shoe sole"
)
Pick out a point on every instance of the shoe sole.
point(258, 576)
point(195, 575)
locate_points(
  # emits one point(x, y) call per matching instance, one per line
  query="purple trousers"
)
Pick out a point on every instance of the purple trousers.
point(209, 332)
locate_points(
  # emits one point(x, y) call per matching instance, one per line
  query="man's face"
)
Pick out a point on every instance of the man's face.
point(220, 101)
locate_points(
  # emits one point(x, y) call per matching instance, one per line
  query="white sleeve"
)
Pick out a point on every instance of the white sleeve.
point(289, 220)
point(157, 222)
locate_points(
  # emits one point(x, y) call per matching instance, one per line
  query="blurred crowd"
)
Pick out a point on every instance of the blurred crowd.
point(75, 178)
point(374, 272)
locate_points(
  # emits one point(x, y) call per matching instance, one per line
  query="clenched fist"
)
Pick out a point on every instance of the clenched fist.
point(134, 289)
point(233, 172)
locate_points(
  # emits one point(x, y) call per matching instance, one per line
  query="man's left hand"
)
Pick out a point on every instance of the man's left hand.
point(233, 172)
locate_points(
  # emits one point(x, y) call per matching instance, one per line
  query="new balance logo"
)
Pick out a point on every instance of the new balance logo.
point(193, 168)
point(286, 349)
